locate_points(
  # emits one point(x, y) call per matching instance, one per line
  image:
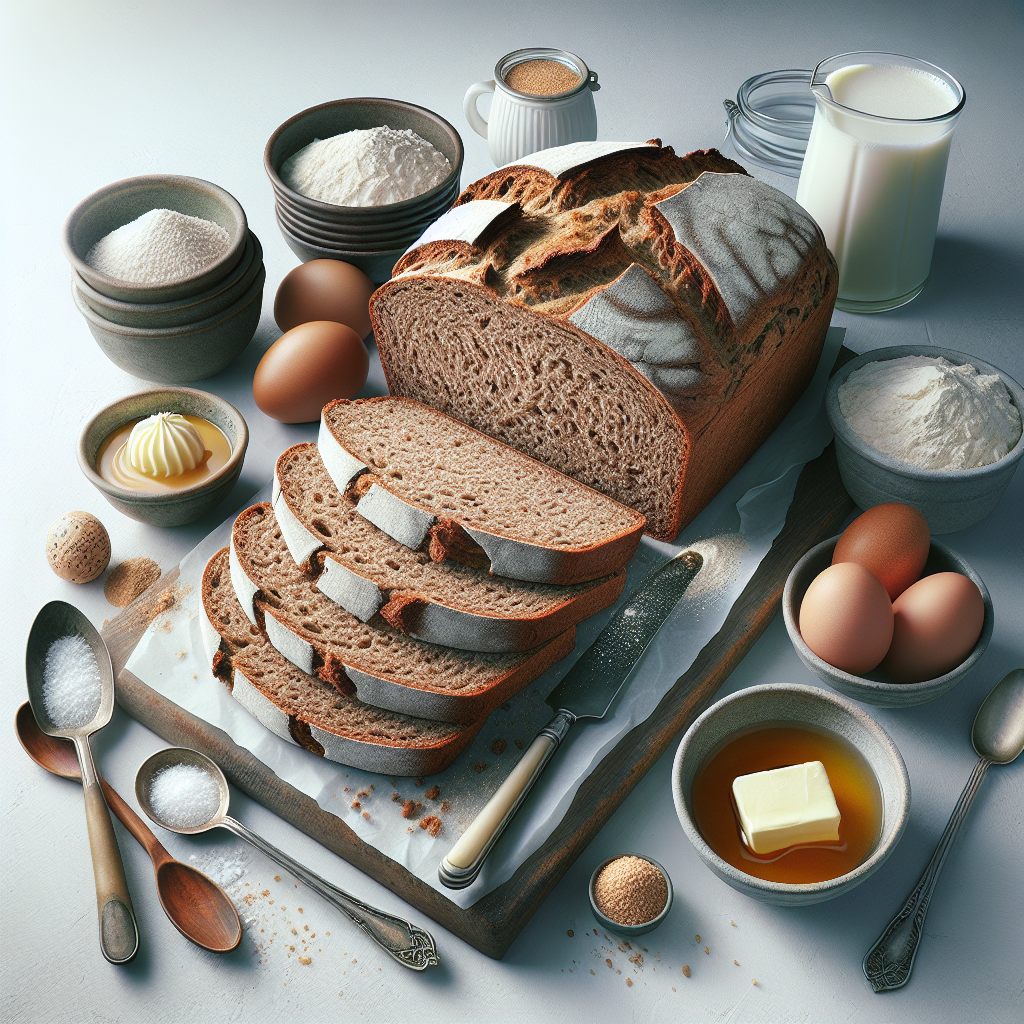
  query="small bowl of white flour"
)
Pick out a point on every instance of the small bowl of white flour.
point(934, 428)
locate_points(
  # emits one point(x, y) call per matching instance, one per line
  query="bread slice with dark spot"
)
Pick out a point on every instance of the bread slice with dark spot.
point(310, 713)
point(386, 667)
point(433, 483)
point(367, 572)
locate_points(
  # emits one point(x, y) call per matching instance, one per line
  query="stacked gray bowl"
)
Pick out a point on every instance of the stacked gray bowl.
point(179, 331)
point(372, 238)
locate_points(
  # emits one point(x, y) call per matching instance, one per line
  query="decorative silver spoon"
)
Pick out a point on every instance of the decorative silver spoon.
point(998, 738)
point(409, 944)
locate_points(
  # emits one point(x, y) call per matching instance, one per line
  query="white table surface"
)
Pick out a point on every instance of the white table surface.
point(95, 92)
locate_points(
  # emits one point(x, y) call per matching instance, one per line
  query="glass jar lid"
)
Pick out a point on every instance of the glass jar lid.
point(770, 120)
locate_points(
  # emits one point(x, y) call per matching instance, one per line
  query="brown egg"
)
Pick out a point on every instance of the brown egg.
point(891, 541)
point(936, 624)
point(846, 618)
point(324, 290)
point(306, 368)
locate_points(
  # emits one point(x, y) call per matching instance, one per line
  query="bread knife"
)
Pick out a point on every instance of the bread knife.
point(586, 691)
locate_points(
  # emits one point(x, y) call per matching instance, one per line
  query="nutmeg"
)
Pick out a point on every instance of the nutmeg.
point(78, 547)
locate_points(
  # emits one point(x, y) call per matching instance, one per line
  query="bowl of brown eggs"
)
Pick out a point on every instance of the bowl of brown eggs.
point(885, 614)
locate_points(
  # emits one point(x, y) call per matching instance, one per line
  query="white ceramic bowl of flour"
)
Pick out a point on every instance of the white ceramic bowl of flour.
point(951, 500)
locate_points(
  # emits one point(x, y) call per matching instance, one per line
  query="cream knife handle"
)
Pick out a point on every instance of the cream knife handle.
point(465, 859)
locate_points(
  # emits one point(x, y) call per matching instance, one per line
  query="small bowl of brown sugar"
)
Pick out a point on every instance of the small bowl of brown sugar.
point(630, 895)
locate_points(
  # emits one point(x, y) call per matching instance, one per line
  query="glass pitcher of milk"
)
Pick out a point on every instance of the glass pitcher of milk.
point(874, 169)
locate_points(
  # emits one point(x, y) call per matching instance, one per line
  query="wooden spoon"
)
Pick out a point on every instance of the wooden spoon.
point(195, 904)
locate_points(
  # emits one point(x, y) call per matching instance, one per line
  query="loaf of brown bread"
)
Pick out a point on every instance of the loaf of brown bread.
point(369, 573)
point(308, 712)
point(637, 320)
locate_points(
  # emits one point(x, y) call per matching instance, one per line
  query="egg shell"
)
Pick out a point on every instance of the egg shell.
point(936, 624)
point(891, 541)
point(846, 618)
point(324, 290)
point(306, 368)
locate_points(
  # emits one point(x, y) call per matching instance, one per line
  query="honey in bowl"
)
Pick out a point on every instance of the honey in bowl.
point(775, 746)
point(114, 465)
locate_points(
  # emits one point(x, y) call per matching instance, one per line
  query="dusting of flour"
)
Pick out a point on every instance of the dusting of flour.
point(366, 167)
point(930, 413)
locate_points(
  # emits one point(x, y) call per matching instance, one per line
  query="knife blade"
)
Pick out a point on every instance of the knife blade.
point(587, 690)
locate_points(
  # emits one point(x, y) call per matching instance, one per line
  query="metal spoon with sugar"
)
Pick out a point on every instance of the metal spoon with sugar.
point(409, 944)
point(119, 934)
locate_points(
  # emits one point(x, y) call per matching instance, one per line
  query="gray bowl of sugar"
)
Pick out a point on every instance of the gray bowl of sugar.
point(123, 202)
point(950, 500)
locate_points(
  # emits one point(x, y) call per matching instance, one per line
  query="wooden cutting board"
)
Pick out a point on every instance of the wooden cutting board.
point(820, 505)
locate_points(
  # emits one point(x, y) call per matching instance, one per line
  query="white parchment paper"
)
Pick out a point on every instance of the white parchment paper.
point(733, 534)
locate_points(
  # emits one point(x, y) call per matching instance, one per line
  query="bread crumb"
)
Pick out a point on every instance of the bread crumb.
point(733, 923)
point(591, 970)
point(277, 878)
point(419, 782)
point(629, 982)
point(294, 932)
point(686, 970)
point(266, 892)
point(396, 796)
point(363, 792)
point(696, 938)
point(445, 805)
point(498, 746)
point(433, 793)
point(305, 959)
point(432, 825)
point(301, 911)
point(480, 766)
point(607, 961)
point(570, 933)
point(707, 949)
point(409, 808)
point(355, 805)
point(366, 815)
point(753, 981)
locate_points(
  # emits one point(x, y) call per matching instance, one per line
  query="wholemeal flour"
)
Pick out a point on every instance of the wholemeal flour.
point(366, 167)
point(930, 413)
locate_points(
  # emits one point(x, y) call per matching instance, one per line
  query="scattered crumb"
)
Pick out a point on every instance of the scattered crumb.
point(433, 793)
point(301, 911)
point(277, 878)
point(498, 746)
point(736, 962)
point(480, 766)
point(518, 743)
point(707, 949)
point(396, 796)
point(305, 959)
point(673, 988)
point(733, 923)
point(696, 938)
point(294, 932)
point(266, 892)
point(638, 959)
point(629, 982)
point(753, 981)
point(445, 805)
point(409, 808)
point(686, 970)
point(363, 792)
point(366, 815)
point(607, 961)
point(591, 970)
point(419, 782)
point(355, 805)
point(432, 825)
point(570, 933)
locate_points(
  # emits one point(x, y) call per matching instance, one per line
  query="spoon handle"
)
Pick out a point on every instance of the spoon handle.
point(119, 934)
point(409, 944)
point(134, 824)
point(888, 963)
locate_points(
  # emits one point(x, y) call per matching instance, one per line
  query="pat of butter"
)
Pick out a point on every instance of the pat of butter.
point(786, 806)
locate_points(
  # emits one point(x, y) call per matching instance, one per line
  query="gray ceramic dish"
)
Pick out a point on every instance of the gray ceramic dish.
point(382, 239)
point(172, 355)
point(181, 312)
point(337, 116)
point(872, 689)
point(123, 201)
point(178, 507)
point(377, 266)
point(950, 500)
point(807, 705)
point(630, 931)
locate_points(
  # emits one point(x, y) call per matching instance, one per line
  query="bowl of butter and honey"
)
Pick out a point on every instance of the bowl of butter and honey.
point(790, 794)
point(166, 456)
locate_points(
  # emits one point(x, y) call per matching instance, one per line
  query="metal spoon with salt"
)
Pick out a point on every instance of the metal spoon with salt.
point(998, 738)
point(409, 944)
point(119, 934)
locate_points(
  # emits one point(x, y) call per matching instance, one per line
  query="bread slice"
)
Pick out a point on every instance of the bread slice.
point(308, 712)
point(427, 479)
point(637, 320)
point(387, 668)
point(367, 572)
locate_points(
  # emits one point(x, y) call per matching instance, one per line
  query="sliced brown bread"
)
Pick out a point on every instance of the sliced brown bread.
point(387, 668)
point(367, 572)
point(308, 712)
point(427, 479)
point(638, 320)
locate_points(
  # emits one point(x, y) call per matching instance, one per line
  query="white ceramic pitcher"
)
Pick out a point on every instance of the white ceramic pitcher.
point(522, 123)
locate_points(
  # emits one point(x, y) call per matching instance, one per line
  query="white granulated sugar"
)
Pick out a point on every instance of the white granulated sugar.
point(224, 868)
point(71, 682)
point(159, 247)
point(366, 167)
point(184, 796)
point(930, 413)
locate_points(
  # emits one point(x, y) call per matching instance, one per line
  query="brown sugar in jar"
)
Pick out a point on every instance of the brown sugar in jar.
point(630, 891)
point(541, 77)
